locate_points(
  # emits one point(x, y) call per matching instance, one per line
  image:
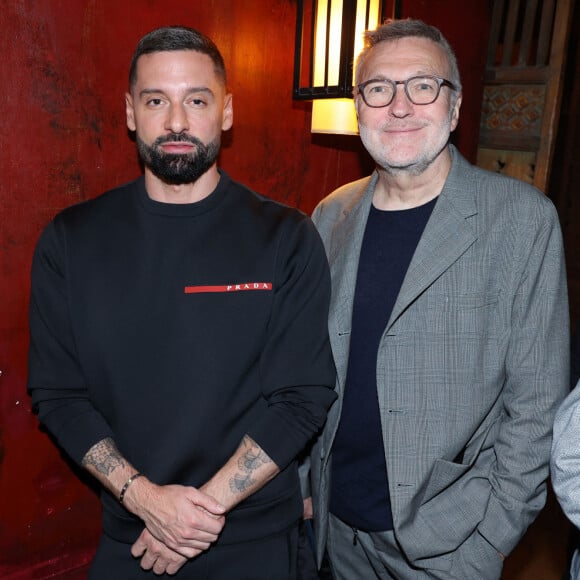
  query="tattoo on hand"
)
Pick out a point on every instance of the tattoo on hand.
point(104, 457)
point(250, 461)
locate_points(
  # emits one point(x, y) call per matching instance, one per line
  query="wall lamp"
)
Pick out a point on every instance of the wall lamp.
point(329, 33)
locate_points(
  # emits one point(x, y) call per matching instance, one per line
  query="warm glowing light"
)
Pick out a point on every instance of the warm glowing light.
point(337, 115)
point(334, 116)
point(374, 15)
point(320, 55)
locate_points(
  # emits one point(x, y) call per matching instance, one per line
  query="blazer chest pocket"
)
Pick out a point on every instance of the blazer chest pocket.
point(460, 314)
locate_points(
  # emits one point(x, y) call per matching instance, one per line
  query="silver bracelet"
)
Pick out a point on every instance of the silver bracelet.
point(126, 486)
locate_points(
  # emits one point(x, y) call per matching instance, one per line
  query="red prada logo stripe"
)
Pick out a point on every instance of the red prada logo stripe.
point(229, 288)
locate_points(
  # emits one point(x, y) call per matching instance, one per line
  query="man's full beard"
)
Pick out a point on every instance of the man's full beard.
point(178, 168)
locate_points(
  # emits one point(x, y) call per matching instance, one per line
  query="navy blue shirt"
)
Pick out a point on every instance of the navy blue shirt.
point(359, 484)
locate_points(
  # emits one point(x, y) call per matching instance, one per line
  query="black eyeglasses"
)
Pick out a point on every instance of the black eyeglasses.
point(420, 90)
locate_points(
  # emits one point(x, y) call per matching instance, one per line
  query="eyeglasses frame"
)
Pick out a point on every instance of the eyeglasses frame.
point(441, 82)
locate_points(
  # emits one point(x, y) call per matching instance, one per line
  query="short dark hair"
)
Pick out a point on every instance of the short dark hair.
point(169, 38)
point(408, 28)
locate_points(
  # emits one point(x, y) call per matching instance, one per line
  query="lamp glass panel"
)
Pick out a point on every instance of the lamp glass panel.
point(338, 115)
point(361, 25)
point(334, 26)
point(335, 116)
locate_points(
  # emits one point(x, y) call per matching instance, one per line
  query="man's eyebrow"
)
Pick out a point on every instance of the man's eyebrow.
point(188, 91)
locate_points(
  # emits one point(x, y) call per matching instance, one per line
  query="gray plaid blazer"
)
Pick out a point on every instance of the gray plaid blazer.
point(471, 366)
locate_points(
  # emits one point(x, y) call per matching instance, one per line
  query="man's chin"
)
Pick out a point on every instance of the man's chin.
point(179, 177)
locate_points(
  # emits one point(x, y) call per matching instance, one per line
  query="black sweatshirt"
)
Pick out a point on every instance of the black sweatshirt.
point(176, 329)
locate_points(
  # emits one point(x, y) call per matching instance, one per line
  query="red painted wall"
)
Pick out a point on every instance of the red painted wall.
point(63, 139)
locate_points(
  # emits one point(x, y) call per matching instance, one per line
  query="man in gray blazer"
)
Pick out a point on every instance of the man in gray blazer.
point(449, 328)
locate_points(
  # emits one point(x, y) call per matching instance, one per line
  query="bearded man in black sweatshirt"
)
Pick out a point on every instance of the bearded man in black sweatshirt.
point(179, 347)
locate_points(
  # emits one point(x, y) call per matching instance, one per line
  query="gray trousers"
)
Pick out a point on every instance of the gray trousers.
point(377, 555)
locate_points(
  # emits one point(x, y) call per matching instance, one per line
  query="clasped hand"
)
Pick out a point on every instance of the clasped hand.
point(181, 523)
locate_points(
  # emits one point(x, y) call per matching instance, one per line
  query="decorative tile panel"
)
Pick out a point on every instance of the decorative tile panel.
point(516, 108)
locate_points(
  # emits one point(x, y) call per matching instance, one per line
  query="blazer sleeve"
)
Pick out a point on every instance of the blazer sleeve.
point(536, 379)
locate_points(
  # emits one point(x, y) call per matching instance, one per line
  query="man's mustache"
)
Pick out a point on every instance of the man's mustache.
point(178, 138)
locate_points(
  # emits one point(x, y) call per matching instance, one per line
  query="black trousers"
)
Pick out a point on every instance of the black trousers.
point(271, 558)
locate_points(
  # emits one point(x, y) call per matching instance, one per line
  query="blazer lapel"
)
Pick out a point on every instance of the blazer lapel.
point(448, 234)
point(344, 254)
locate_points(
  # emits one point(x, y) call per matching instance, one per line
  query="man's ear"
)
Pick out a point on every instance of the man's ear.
point(455, 113)
point(130, 112)
point(228, 113)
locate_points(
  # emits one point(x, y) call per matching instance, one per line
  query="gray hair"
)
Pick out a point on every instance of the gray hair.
point(407, 28)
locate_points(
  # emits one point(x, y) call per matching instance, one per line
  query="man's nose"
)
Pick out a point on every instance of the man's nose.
point(177, 120)
point(401, 106)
